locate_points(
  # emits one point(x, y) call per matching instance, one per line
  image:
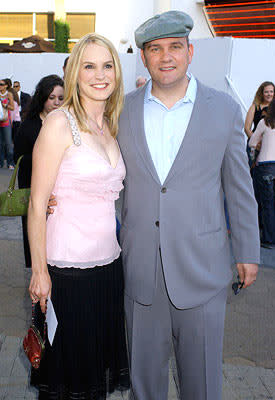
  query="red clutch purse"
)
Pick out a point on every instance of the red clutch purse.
point(33, 344)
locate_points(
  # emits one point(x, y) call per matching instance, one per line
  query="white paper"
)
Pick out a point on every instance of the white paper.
point(51, 321)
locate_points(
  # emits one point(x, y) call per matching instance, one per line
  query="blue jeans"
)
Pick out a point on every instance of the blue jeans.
point(6, 146)
point(264, 176)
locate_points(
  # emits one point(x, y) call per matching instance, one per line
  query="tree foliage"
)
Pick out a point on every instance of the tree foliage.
point(62, 35)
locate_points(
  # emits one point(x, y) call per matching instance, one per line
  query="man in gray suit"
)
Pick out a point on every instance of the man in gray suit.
point(183, 147)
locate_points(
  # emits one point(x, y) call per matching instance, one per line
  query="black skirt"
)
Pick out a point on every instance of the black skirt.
point(88, 357)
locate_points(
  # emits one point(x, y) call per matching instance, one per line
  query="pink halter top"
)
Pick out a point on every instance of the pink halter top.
point(81, 233)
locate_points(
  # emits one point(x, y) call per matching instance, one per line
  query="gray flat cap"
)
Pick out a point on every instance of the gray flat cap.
point(167, 24)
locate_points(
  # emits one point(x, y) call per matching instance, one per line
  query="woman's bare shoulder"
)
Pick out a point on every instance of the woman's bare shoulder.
point(252, 108)
point(56, 125)
point(57, 117)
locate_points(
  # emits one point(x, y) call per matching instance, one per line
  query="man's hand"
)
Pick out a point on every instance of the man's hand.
point(247, 273)
point(52, 202)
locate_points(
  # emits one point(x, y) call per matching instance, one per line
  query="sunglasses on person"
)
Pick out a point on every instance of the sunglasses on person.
point(2, 84)
point(237, 286)
point(16, 86)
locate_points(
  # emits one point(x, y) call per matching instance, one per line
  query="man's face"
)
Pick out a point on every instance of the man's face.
point(167, 60)
point(16, 86)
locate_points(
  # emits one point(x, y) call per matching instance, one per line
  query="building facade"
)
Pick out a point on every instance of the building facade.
point(115, 20)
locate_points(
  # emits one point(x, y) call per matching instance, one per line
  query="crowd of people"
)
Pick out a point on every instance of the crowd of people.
point(81, 142)
point(16, 102)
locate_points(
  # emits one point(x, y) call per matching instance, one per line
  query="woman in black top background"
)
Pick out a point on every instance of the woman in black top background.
point(48, 96)
point(263, 97)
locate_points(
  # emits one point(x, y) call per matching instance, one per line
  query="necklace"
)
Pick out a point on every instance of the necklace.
point(101, 129)
point(4, 94)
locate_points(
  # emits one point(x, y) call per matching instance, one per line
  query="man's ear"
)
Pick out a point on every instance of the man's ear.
point(190, 52)
point(143, 57)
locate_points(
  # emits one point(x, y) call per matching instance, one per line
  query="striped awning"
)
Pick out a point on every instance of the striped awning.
point(241, 18)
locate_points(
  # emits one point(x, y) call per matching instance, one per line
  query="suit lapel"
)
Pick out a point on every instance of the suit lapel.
point(136, 118)
point(191, 135)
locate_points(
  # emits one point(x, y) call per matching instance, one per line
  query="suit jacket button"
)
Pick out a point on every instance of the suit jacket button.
point(163, 190)
point(157, 223)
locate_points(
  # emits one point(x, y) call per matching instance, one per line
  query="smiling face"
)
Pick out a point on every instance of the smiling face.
point(268, 94)
point(3, 86)
point(167, 61)
point(55, 99)
point(96, 78)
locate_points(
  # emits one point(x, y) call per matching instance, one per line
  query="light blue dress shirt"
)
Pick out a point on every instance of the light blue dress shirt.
point(165, 128)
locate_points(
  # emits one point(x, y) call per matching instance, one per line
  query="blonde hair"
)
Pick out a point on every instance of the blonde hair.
point(259, 96)
point(114, 103)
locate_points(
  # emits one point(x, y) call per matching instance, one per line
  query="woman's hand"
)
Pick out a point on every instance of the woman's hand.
point(51, 204)
point(40, 288)
point(259, 145)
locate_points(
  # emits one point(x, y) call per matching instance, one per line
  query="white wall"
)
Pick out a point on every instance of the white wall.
point(30, 68)
point(161, 6)
point(211, 61)
point(128, 64)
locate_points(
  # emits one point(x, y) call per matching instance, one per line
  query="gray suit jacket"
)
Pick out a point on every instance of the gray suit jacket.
point(185, 215)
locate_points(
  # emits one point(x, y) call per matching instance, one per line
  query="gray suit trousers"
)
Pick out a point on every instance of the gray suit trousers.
point(197, 337)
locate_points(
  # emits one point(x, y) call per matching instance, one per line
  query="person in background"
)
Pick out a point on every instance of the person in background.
point(6, 145)
point(65, 66)
point(15, 115)
point(130, 50)
point(75, 254)
point(140, 81)
point(257, 110)
point(48, 96)
point(24, 98)
point(263, 97)
point(9, 87)
point(265, 173)
point(14, 95)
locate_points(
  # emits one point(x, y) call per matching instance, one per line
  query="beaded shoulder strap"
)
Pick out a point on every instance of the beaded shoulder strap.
point(75, 132)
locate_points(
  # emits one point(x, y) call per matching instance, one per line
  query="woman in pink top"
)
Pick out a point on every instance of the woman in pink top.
point(75, 253)
point(265, 172)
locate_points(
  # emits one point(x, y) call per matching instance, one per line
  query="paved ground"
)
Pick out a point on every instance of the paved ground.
point(249, 344)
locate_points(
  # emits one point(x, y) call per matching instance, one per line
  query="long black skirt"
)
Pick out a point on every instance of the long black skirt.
point(88, 357)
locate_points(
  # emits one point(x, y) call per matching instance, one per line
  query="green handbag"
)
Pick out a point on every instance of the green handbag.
point(14, 202)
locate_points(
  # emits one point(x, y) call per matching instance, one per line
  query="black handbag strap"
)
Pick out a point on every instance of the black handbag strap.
point(33, 321)
point(14, 175)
